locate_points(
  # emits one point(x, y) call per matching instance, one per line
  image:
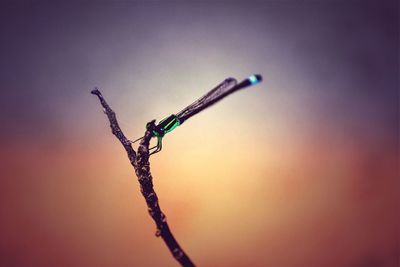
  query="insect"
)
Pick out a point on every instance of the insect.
point(225, 88)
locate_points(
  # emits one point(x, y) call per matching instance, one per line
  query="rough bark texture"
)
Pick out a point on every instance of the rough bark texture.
point(140, 162)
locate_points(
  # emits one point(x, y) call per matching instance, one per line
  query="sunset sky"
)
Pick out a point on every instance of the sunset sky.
point(300, 170)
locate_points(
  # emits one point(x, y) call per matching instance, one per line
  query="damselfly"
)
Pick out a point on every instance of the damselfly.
point(227, 87)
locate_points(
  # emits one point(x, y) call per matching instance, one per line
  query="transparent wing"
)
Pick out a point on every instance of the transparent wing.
point(208, 99)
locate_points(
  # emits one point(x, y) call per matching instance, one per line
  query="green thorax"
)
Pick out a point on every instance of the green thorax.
point(166, 125)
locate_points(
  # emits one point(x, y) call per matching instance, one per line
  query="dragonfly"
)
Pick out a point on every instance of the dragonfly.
point(222, 90)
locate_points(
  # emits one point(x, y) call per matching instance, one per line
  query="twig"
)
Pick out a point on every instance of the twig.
point(140, 163)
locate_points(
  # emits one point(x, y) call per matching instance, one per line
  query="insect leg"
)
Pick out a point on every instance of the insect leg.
point(132, 142)
point(159, 146)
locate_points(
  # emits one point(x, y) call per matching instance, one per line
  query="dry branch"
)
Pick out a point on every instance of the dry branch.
point(140, 162)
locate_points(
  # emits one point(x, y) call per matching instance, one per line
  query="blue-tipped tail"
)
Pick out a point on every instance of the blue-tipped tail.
point(254, 79)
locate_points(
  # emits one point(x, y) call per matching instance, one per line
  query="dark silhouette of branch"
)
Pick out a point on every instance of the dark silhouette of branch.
point(140, 162)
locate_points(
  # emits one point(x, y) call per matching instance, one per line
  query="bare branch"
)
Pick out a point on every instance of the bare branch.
point(141, 164)
point(116, 130)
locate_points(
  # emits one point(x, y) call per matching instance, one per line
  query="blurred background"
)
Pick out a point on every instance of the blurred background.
point(300, 170)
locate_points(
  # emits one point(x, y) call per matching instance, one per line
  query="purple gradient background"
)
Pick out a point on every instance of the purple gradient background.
point(301, 170)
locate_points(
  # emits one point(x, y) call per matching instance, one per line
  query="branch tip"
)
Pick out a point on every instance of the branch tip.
point(95, 91)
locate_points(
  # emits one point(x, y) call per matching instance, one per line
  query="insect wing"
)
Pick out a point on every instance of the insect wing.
point(208, 99)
